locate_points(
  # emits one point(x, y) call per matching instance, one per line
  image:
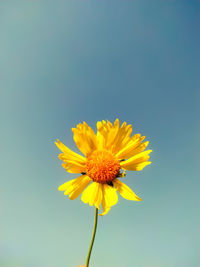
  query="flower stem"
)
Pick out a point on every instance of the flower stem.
point(93, 237)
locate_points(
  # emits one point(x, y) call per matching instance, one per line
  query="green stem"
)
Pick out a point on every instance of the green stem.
point(93, 237)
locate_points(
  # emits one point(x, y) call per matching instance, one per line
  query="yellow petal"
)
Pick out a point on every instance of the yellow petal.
point(136, 159)
point(74, 187)
point(73, 167)
point(141, 147)
point(110, 195)
point(102, 132)
point(66, 157)
point(69, 154)
point(85, 138)
point(131, 148)
point(106, 133)
point(111, 136)
point(112, 133)
point(110, 198)
point(105, 208)
point(99, 196)
point(93, 194)
point(125, 191)
point(73, 183)
point(79, 189)
point(122, 138)
point(137, 167)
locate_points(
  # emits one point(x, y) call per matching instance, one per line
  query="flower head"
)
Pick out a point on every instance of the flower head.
point(107, 155)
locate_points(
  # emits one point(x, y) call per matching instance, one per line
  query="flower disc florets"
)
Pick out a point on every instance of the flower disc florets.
point(102, 166)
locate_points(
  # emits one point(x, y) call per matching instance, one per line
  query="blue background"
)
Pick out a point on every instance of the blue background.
point(62, 62)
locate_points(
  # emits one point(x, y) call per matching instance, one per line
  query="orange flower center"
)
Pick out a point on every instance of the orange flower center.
point(102, 166)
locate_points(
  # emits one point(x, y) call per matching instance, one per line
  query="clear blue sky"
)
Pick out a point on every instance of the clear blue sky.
point(62, 62)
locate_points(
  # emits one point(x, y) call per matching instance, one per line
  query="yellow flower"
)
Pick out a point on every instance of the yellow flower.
point(107, 155)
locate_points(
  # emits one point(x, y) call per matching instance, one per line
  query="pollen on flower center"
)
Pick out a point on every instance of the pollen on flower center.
point(102, 166)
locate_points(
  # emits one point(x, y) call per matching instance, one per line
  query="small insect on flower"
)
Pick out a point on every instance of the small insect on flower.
point(107, 154)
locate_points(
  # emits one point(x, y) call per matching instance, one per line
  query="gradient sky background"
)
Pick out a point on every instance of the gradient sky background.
point(62, 62)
